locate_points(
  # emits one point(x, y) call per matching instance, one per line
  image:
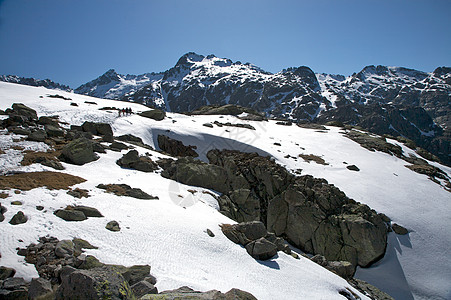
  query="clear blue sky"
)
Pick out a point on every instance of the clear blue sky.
point(74, 41)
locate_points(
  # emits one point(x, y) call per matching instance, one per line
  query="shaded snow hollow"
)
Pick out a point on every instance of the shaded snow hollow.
point(172, 239)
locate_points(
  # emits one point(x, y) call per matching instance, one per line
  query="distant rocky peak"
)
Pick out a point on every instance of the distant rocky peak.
point(304, 74)
point(441, 71)
point(189, 59)
point(372, 70)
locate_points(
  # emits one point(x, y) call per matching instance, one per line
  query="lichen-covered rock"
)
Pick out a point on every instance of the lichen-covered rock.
point(96, 283)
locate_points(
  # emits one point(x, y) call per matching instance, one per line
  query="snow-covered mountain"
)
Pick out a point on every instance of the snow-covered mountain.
point(386, 100)
point(170, 235)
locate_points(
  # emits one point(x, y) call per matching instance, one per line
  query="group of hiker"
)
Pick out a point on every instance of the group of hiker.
point(125, 111)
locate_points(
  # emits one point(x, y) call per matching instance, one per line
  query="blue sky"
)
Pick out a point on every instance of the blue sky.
point(74, 41)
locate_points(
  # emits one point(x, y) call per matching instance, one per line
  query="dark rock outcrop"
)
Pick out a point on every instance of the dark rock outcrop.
point(133, 160)
point(185, 293)
point(175, 147)
point(259, 243)
point(6, 272)
point(96, 283)
point(313, 215)
point(97, 128)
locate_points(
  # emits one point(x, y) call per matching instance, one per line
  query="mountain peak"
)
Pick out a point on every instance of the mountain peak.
point(189, 58)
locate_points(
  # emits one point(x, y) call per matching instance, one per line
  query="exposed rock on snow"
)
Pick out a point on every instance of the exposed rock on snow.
point(79, 152)
point(155, 114)
point(315, 216)
point(188, 293)
point(18, 218)
point(126, 190)
point(113, 226)
point(133, 160)
point(175, 148)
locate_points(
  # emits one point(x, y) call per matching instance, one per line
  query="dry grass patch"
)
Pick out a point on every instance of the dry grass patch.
point(28, 181)
point(3, 195)
point(31, 157)
point(312, 157)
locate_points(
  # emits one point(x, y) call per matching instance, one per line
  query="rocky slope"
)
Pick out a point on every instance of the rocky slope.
point(47, 83)
point(386, 100)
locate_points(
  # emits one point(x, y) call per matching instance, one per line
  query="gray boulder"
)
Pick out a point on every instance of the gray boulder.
point(18, 218)
point(54, 131)
point(155, 114)
point(97, 128)
point(24, 110)
point(97, 283)
point(113, 226)
point(143, 287)
point(88, 211)
point(14, 288)
point(70, 215)
point(37, 136)
point(64, 248)
point(6, 272)
point(261, 249)
point(132, 160)
point(79, 152)
point(398, 229)
point(39, 289)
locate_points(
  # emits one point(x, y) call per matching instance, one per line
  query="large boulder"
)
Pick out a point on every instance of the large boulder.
point(6, 272)
point(155, 114)
point(261, 249)
point(23, 110)
point(132, 160)
point(70, 215)
point(39, 289)
point(175, 147)
point(79, 152)
point(97, 283)
point(193, 172)
point(18, 218)
point(97, 128)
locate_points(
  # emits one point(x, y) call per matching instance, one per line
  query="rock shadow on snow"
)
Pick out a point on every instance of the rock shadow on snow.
point(205, 142)
point(388, 274)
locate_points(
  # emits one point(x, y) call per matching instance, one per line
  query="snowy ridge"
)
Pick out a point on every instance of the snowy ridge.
point(172, 239)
